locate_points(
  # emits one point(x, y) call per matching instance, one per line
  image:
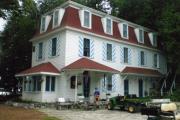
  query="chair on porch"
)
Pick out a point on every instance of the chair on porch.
point(62, 102)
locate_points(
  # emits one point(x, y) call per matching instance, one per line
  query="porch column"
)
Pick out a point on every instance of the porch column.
point(75, 93)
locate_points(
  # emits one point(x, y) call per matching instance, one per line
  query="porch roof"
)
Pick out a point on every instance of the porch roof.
point(141, 71)
point(44, 68)
point(87, 64)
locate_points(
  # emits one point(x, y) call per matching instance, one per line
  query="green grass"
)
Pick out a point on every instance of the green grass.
point(51, 118)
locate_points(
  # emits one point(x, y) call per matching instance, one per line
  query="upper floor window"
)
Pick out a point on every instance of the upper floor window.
point(50, 83)
point(125, 55)
point(155, 60)
point(125, 31)
point(108, 26)
point(87, 19)
point(56, 18)
point(54, 47)
point(142, 58)
point(40, 50)
point(86, 48)
point(155, 40)
point(109, 52)
point(43, 24)
point(109, 82)
point(141, 36)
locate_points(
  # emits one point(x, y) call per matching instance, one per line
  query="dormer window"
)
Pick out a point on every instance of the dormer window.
point(108, 26)
point(55, 18)
point(141, 36)
point(43, 24)
point(153, 39)
point(86, 18)
point(123, 28)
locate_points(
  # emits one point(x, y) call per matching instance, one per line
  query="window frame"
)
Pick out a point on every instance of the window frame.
point(154, 40)
point(40, 50)
point(141, 40)
point(127, 30)
point(85, 48)
point(56, 17)
point(109, 82)
point(125, 56)
point(53, 54)
point(84, 18)
point(142, 57)
point(111, 26)
point(43, 24)
point(48, 87)
point(107, 52)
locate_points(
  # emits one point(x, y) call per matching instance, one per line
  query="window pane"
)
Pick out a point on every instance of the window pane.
point(142, 58)
point(56, 15)
point(47, 83)
point(54, 46)
point(154, 40)
point(43, 24)
point(109, 52)
point(52, 83)
point(125, 30)
point(109, 82)
point(34, 83)
point(141, 36)
point(86, 18)
point(125, 55)
point(155, 60)
point(40, 50)
point(108, 25)
point(86, 47)
point(38, 83)
point(73, 80)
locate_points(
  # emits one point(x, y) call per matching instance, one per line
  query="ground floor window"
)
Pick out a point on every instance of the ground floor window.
point(50, 83)
point(73, 81)
point(126, 87)
point(109, 82)
point(32, 83)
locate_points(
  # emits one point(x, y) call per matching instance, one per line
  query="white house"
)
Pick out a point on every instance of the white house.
point(78, 49)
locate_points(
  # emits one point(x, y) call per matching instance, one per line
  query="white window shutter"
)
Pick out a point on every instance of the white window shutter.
point(104, 51)
point(50, 48)
point(103, 83)
point(91, 49)
point(145, 58)
point(80, 46)
point(129, 55)
point(139, 58)
point(37, 50)
point(114, 83)
point(44, 51)
point(113, 53)
point(121, 55)
point(58, 47)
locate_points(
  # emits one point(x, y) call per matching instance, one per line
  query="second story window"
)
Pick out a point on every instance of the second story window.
point(109, 52)
point(54, 47)
point(125, 55)
point(86, 48)
point(125, 31)
point(156, 60)
point(154, 40)
point(108, 26)
point(87, 19)
point(142, 58)
point(40, 51)
point(141, 36)
point(43, 24)
point(55, 18)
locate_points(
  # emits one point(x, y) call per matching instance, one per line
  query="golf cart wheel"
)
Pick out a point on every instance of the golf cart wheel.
point(131, 109)
point(109, 106)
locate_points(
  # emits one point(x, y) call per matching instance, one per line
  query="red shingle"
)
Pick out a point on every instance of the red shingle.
point(44, 67)
point(85, 63)
point(143, 71)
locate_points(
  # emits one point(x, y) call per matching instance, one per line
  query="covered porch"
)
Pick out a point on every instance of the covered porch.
point(84, 75)
point(139, 81)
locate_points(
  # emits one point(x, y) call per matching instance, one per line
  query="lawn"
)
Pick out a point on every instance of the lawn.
point(14, 113)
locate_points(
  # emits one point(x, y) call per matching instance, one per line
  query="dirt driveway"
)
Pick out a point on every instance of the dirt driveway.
point(93, 115)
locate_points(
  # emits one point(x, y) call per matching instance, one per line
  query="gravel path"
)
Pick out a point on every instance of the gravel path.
point(93, 115)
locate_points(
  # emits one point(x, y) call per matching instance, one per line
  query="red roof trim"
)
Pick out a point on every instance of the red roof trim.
point(85, 63)
point(143, 71)
point(44, 67)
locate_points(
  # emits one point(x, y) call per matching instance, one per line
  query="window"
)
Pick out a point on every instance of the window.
point(86, 47)
point(56, 18)
point(33, 84)
point(43, 21)
point(141, 36)
point(40, 54)
point(154, 39)
point(142, 56)
point(87, 19)
point(108, 26)
point(73, 80)
point(33, 48)
point(54, 46)
point(50, 83)
point(125, 55)
point(126, 87)
point(109, 52)
point(125, 31)
point(109, 82)
point(155, 60)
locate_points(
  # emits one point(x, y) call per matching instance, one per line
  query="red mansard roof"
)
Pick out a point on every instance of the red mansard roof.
point(71, 18)
point(143, 71)
point(87, 64)
point(44, 67)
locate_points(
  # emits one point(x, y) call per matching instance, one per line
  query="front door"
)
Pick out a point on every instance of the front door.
point(86, 84)
point(140, 88)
